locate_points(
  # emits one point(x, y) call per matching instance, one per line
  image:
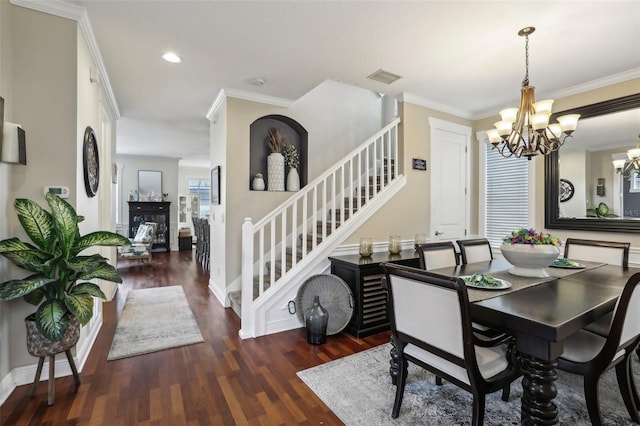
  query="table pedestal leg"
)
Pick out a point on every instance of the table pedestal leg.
point(393, 362)
point(538, 391)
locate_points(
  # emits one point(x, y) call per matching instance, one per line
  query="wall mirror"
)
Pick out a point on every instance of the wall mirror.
point(583, 191)
point(149, 185)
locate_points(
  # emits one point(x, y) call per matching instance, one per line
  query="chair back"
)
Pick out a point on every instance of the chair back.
point(625, 326)
point(611, 252)
point(437, 255)
point(431, 312)
point(475, 250)
point(146, 233)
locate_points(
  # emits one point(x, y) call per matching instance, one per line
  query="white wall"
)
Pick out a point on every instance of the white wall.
point(5, 185)
point(217, 221)
point(573, 168)
point(45, 62)
point(184, 174)
point(337, 117)
point(128, 166)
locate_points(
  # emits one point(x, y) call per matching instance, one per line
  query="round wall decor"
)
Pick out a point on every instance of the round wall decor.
point(566, 190)
point(90, 162)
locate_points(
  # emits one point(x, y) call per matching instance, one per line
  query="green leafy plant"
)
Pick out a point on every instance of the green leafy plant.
point(58, 285)
point(601, 211)
point(530, 236)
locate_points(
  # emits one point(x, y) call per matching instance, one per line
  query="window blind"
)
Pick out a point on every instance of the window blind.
point(507, 192)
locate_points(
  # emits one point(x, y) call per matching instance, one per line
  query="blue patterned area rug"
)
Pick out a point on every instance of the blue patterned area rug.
point(358, 390)
point(154, 319)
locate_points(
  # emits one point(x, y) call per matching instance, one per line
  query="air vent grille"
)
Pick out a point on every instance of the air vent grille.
point(385, 77)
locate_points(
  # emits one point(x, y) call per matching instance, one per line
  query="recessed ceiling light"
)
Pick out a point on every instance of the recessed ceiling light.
point(383, 76)
point(171, 57)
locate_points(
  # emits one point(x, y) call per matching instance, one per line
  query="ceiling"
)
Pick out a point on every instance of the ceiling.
point(463, 57)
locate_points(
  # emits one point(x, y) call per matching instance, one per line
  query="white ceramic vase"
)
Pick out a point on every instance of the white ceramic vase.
point(529, 260)
point(258, 183)
point(293, 180)
point(275, 172)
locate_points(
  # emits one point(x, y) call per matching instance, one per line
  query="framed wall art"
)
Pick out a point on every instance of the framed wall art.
point(215, 185)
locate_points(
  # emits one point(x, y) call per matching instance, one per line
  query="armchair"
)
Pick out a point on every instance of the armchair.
point(141, 244)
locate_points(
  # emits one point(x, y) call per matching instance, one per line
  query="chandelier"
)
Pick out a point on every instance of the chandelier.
point(627, 168)
point(526, 131)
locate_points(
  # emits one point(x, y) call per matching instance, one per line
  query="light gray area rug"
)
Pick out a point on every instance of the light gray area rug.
point(154, 319)
point(358, 390)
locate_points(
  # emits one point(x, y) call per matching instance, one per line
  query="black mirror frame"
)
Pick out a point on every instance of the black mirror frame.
point(552, 175)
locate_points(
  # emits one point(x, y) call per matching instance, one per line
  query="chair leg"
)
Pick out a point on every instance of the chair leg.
point(592, 400)
point(72, 364)
point(505, 392)
point(438, 381)
point(623, 374)
point(52, 380)
point(402, 380)
point(478, 410)
point(36, 380)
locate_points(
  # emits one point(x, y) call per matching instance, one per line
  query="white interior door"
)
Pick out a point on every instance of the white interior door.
point(449, 180)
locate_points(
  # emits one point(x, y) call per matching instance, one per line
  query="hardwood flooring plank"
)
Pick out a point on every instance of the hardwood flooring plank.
point(222, 381)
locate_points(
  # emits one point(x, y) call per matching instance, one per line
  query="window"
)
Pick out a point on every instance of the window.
point(201, 187)
point(506, 194)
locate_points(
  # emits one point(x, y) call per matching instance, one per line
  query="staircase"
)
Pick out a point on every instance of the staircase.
point(293, 241)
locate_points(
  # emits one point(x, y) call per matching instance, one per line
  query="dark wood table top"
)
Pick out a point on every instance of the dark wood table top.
point(376, 258)
point(542, 316)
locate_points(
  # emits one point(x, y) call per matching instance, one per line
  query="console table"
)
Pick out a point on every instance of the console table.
point(151, 211)
point(364, 276)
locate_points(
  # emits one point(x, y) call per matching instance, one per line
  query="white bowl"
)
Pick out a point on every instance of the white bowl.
point(529, 260)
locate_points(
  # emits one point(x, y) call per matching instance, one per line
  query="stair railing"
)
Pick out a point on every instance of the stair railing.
point(315, 211)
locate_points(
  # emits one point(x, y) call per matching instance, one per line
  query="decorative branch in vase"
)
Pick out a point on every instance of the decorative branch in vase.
point(275, 160)
point(275, 141)
point(292, 160)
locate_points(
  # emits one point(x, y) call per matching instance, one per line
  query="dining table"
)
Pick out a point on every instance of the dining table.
point(540, 313)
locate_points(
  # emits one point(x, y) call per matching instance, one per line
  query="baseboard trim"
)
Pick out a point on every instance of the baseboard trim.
point(25, 375)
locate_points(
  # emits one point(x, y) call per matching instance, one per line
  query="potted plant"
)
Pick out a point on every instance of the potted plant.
point(530, 252)
point(58, 285)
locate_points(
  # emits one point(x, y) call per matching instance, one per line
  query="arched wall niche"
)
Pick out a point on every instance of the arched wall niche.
point(292, 132)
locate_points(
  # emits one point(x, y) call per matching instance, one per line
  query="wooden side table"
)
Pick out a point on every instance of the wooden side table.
point(364, 277)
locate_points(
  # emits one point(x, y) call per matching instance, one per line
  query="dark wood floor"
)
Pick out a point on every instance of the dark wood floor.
point(223, 381)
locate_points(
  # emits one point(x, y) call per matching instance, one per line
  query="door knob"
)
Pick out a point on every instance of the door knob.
point(439, 233)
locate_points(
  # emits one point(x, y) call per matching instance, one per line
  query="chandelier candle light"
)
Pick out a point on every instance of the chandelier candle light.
point(628, 168)
point(526, 131)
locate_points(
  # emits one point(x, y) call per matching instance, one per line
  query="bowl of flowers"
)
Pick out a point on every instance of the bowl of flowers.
point(530, 252)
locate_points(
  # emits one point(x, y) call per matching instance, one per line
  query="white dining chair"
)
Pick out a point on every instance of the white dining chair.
point(590, 355)
point(611, 252)
point(475, 250)
point(441, 254)
point(431, 328)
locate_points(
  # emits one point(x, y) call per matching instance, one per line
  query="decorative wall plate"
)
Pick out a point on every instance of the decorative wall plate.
point(566, 190)
point(91, 162)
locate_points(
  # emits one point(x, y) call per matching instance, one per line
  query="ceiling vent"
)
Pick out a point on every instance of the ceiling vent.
point(383, 76)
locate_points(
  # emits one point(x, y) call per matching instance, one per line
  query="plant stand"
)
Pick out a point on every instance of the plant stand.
point(41, 347)
point(52, 375)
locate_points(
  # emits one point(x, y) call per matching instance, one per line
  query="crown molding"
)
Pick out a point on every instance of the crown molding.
point(427, 103)
point(569, 91)
point(223, 94)
point(213, 109)
point(578, 88)
point(80, 15)
point(263, 99)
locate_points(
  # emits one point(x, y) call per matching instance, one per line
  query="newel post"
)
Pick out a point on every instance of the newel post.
point(247, 326)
